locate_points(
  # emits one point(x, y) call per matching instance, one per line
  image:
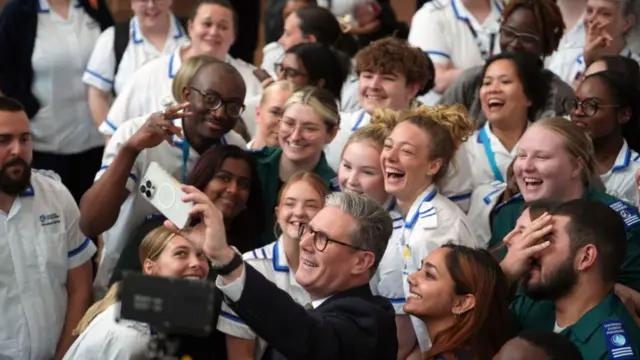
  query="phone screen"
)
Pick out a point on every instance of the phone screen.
point(261, 74)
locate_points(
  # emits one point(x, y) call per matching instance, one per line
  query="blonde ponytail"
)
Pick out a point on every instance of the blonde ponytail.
point(96, 309)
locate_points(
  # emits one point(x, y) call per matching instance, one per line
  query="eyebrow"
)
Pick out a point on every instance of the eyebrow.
point(12, 134)
point(430, 266)
point(181, 247)
point(233, 174)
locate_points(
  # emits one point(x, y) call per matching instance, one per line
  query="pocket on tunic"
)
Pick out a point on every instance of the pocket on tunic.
point(9, 350)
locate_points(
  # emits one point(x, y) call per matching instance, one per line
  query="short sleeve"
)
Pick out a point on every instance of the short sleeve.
point(100, 72)
point(457, 183)
point(121, 136)
point(230, 324)
point(387, 281)
point(427, 22)
point(80, 248)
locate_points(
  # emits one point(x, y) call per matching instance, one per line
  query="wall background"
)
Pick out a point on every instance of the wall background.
point(122, 10)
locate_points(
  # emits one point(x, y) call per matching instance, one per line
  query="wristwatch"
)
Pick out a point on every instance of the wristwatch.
point(231, 266)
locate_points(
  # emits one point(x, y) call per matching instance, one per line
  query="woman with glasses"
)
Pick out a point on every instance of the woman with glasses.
point(415, 156)
point(607, 108)
point(535, 27)
point(153, 31)
point(269, 113)
point(310, 121)
point(514, 88)
point(212, 29)
point(299, 201)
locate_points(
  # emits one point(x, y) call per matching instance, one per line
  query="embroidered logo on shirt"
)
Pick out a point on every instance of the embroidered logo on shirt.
point(627, 212)
point(49, 219)
point(616, 339)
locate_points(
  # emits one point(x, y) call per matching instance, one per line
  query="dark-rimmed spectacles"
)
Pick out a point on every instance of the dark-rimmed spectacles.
point(214, 101)
point(321, 240)
point(588, 106)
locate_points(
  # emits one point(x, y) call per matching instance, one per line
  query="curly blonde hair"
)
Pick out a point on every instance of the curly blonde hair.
point(449, 127)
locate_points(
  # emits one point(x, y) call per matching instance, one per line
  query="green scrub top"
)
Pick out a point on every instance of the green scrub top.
point(269, 173)
point(507, 214)
point(605, 332)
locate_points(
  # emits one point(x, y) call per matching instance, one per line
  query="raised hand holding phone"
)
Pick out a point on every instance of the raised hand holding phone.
point(210, 234)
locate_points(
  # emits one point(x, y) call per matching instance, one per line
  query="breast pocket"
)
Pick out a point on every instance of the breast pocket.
point(9, 350)
point(52, 256)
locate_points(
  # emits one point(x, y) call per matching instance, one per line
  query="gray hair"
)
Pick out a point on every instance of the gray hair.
point(373, 226)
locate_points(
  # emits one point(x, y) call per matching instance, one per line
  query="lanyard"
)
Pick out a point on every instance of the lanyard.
point(490, 155)
point(357, 125)
point(492, 40)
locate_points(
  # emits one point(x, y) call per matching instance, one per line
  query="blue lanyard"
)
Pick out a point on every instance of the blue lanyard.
point(357, 125)
point(490, 155)
point(185, 160)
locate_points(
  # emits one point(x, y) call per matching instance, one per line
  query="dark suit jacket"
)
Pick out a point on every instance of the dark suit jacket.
point(351, 325)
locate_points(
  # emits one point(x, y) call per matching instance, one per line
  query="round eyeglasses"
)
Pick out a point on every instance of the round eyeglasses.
point(214, 101)
point(321, 240)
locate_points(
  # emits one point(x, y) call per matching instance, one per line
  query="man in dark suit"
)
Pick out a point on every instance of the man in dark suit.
point(339, 252)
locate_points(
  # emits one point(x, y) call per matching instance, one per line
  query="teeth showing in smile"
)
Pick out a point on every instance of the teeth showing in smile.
point(295, 145)
point(532, 181)
point(309, 264)
point(192, 277)
point(394, 173)
point(493, 102)
point(415, 296)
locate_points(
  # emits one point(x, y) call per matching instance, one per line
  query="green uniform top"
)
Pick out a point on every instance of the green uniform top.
point(269, 172)
point(605, 332)
point(506, 215)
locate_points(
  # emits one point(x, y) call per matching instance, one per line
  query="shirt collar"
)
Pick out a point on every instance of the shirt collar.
point(494, 141)
point(316, 303)
point(279, 257)
point(421, 208)
point(593, 319)
point(175, 29)
point(623, 159)
point(175, 62)
point(44, 7)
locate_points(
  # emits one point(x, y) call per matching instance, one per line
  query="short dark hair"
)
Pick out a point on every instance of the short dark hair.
point(10, 104)
point(539, 207)
point(248, 225)
point(225, 4)
point(556, 346)
point(536, 82)
point(323, 62)
point(319, 22)
point(548, 21)
point(592, 222)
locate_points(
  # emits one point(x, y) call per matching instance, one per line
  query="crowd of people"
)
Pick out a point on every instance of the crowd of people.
point(462, 187)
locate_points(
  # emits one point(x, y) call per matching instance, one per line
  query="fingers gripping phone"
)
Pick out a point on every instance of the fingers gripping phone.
point(163, 191)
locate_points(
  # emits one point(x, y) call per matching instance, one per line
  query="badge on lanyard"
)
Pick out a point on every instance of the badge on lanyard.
point(407, 259)
point(617, 341)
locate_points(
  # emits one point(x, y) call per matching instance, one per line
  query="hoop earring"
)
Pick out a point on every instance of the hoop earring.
point(276, 227)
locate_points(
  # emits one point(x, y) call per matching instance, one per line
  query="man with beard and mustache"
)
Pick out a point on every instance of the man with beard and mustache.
point(568, 260)
point(173, 139)
point(45, 260)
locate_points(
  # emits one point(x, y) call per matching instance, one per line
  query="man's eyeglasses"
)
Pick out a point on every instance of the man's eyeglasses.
point(287, 72)
point(321, 240)
point(588, 106)
point(213, 101)
point(145, 2)
point(508, 35)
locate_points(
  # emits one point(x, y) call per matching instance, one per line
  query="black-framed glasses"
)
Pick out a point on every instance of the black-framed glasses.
point(588, 106)
point(213, 101)
point(287, 72)
point(321, 240)
point(508, 35)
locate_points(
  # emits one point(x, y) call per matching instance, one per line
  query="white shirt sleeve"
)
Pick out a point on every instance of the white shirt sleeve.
point(233, 290)
point(127, 104)
point(100, 72)
point(457, 183)
point(121, 136)
point(80, 248)
point(230, 324)
point(429, 34)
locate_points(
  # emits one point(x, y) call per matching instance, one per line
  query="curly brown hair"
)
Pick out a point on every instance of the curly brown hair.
point(548, 18)
point(392, 55)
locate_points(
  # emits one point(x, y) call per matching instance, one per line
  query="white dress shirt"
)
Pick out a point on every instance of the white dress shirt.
point(63, 125)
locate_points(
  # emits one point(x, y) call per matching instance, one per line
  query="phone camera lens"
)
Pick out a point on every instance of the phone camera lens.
point(143, 189)
point(148, 183)
point(148, 193)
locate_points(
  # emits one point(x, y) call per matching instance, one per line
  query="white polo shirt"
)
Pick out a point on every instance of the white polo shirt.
point(483, 199)
point(271, 262)
point(571, 46)
point(620, 180)
point(40, 241)
point(578, 67)
point(488, 155)
point(149, 89)
point(60, 55)
point(432, 221)
point(108, 339)
point(460, 39)
point(101, 68)
point(135, 208)
point(387, 281)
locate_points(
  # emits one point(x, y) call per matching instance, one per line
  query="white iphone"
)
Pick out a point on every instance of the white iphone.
point(163, 192)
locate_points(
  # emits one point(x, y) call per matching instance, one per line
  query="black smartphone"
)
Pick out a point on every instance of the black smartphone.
point(261, 74)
